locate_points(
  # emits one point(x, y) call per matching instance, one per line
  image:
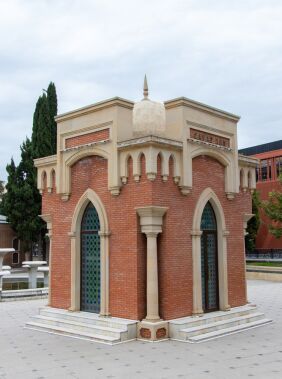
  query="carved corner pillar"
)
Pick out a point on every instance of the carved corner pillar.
point(151, 219)
point(246, 218)
point(48, 219)
point(197, 279)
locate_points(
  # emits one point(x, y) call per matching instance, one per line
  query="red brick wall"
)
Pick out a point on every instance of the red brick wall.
point(88, 138)
point(128, 245)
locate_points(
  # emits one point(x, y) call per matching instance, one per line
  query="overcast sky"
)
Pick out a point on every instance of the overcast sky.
point(224, 53)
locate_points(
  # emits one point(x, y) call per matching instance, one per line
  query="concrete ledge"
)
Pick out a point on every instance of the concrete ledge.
point(38, 293)
point(273, 274)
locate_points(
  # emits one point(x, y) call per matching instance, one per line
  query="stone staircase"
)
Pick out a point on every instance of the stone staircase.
point(83, 325)
point(216, 324)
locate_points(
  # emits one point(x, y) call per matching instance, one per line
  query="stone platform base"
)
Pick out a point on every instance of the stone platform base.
point(84, 325)
point(216, 324)
point(152, 331)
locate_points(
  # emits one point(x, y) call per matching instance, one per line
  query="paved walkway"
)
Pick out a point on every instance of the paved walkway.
point(257, 353)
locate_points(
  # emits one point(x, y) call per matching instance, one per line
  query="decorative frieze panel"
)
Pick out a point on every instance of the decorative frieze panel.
point(247, 173)
point(209, 137)
point(97, 136)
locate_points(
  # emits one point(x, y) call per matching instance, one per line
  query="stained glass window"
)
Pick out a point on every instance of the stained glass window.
point(208, 221)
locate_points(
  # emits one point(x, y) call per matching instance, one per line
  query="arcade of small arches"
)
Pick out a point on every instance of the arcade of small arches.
point(170, 163)
point(247, 179)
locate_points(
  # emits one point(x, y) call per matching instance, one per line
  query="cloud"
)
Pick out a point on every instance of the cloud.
point(225, 54)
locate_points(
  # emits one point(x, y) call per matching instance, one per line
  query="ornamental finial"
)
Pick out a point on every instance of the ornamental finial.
point(145, 88)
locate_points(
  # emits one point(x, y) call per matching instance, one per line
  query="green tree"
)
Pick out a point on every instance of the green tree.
point(35, 128)
point(253, 224)
point(2, 187)
point(273, 209)
point(8, 199)
point(22, 202)
point(53, 109)
point(44, 130)
point(43, 143)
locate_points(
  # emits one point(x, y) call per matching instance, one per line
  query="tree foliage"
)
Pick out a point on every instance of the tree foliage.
point(22, 201)
point(253, 224)
point(44, 130)
point(53, 109)
point(273, 209)
point(2, 187)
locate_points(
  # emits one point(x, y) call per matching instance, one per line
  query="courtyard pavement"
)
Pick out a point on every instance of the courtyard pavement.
point(256, 353)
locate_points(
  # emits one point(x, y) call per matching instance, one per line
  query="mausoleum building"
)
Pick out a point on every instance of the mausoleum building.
point(145, 211)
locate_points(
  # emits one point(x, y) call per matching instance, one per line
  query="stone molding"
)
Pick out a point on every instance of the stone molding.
point(89, 196)
point(209, 195)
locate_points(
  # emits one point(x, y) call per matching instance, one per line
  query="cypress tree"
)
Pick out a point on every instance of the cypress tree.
point(22, 202)
point(8, 199)
point(53, 109)
point(35, 128)
point(43, 142)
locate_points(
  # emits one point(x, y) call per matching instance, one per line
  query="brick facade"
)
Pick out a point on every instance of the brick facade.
point(98, 136)
point(128, 244)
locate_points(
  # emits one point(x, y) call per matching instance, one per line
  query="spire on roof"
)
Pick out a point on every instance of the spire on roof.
point(145, 88)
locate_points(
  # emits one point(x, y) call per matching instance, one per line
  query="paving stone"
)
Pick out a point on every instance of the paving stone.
point(257, 353)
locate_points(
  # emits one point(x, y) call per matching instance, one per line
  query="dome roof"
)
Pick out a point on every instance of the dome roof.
point(148, 116)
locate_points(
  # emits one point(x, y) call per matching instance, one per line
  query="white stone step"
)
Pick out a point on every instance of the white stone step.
point(218, 325)
point(227, 331)
point(87, 318)
point(72, 333)
point(212, 317)
point(79, 326)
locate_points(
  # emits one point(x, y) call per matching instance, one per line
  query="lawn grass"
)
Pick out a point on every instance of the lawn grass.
point(269, 264)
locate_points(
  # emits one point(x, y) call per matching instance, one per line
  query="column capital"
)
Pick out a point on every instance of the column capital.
point(72, 234)
point(246, 218)
point(196, 233)
point(150, 232)
point(104, 233)
point(151, 218)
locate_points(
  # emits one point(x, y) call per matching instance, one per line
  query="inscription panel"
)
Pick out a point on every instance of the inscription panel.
point(209, 137)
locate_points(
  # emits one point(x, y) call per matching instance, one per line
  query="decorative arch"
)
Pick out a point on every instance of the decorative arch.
point(209, 195)
point(250, 184)
point(43, 179)
point(53, 178)
point(241, 178)
point(230, 170)
point(75, 157)
point(89, 196)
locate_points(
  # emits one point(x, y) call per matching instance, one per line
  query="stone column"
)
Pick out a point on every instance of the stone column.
point(197, 272)
point(75, 275)
point(246, 218)
point(104, 243)
point(152, 277)
point(48, 219)
point(223, 274)
point(152, 327)
point(50, 268)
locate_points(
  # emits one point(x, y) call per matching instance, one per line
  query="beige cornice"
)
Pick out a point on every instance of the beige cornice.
point(210, 145)
point(51, 160)
point(88, 129)
point(247, 161)
point(115, 101)
point(149, 140)
point(204, 128)
point(184, 101)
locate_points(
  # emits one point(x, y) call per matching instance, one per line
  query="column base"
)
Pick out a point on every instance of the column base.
point(152, 330)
